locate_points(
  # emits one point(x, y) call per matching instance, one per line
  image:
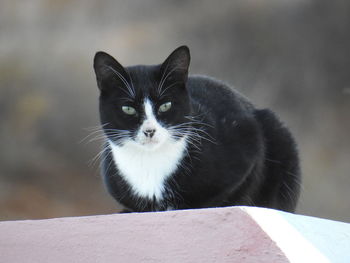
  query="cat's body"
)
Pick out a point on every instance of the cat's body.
point(193, 142)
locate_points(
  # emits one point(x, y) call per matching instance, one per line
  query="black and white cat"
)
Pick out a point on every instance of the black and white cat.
point(176, 141)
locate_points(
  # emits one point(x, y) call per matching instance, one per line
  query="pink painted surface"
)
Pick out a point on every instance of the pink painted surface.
point(205, 235)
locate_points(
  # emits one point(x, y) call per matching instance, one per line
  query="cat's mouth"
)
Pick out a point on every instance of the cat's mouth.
point(150, 143)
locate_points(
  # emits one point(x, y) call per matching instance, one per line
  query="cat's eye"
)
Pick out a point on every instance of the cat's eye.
point(129, 110)
point(165, 107)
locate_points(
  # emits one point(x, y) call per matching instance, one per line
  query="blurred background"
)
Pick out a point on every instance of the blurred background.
point(289, 55)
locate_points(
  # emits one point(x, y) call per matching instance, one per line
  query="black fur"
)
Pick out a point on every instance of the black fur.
point(246, 155)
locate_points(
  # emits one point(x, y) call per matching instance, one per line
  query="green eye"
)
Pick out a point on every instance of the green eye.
point(129, 110)
point(165, 107)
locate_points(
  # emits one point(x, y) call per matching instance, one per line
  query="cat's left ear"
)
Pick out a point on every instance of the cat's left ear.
point(177, 63)
point(105, 67)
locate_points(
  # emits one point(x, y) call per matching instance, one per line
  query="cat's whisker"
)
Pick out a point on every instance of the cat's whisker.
point(110, 164)
point(168, 87)
point(194, 136)
point(191, 142)
point(98, 133)
point(127, 85)
point(116, 130)
point(88, 137)
point(205, 133)
point(104, 133)
point(132, 83)
point(161, 79)
point(193, 131)
point(165, 78)
point(127, 93)
point(168, 74)
point(196, 121)
point(118, 140)
point(190, 137)
point(94, 160)
point(97, 138)
point(95, 128)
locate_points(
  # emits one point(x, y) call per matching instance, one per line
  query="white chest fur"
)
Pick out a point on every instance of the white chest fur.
point(145, 170)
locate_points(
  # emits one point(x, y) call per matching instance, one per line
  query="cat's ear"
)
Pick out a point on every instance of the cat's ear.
point(105, 67)
point(177, 63)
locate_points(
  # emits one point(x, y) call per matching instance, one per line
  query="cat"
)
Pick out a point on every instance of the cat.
point(177, 141)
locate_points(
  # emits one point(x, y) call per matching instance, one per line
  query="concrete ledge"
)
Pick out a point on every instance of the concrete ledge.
point(231, 234)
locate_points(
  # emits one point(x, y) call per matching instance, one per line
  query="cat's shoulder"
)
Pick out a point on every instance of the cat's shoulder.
point(216, 92)
point(205, 81)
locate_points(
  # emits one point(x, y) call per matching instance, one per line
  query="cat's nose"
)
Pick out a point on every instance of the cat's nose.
point(149, 132)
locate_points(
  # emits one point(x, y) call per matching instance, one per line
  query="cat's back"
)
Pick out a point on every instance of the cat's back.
point(216, 96)
point(227, 116)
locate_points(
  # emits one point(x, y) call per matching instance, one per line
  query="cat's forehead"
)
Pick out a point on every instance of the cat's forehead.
point(144, 79)
point(144, 74)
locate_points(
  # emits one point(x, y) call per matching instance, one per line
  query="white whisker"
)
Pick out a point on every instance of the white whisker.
point(160, 86)
point(127, 85)
point(168, 87)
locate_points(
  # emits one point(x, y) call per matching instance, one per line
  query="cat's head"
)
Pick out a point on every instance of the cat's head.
point(144, 106)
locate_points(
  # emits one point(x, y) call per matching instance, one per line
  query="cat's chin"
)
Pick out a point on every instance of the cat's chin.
point(149, 145)
point(152, 146)
point(156, 144)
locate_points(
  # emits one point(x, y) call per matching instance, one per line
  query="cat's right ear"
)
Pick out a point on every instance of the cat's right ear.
point(106, 67)
point(177, 63)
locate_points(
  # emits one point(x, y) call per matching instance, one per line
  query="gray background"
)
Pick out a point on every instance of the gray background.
point(291, 56)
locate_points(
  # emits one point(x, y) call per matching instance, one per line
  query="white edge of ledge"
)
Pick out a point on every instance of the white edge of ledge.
point(287, 238)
